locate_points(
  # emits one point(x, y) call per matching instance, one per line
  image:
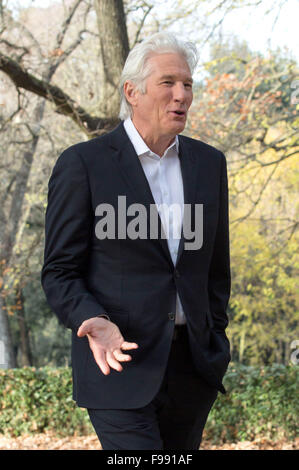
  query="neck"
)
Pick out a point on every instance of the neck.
point(156, 143)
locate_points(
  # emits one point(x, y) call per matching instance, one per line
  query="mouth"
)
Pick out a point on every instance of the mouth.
point(178, 113)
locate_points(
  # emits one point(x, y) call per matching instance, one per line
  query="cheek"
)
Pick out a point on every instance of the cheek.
point(190, 100)
point(153, 106)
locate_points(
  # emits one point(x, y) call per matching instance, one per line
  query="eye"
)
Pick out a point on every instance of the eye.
point(188, 85)
point(168, 82)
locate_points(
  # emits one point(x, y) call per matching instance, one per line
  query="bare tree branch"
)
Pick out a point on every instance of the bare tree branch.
point(258, 198)
point(60, 58)
point(91, 125)
point(65, 25)
point(146, 13)
point(14, 46)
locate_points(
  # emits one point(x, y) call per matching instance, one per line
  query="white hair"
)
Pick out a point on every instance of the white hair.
point(137, 70)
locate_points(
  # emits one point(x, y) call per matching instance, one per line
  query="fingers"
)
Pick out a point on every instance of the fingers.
point(126, 345)
point(104, 359)
point(114, 356)
point(117, 355)
point(113, 362)
point(100, 358)
point(107, 356)
point(120, 356)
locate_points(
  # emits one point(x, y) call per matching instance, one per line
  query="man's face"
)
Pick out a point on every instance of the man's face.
point(162, 110)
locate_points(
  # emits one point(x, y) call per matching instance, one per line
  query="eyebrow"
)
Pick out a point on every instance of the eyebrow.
point(172, 77)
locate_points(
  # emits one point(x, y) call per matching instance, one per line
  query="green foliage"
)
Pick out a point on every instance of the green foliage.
point(38, 400)
point(244, 108)
point(259, 402)
point(264, 299)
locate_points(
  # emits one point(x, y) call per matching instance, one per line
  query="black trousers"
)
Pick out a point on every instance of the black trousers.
point(173, 420)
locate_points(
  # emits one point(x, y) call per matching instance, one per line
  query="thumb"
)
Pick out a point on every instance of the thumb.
point(82, 331)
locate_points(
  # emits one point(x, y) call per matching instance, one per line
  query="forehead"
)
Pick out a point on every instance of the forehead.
point(169, 64)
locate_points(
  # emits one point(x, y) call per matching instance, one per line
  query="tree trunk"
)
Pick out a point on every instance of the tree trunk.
point(12, 224)
point(114, 50)
point(25, 350)
point(7, 356)
point(114, 46)
point(242, 345)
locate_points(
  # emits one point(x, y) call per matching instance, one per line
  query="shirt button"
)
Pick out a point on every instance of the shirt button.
point(171, 316)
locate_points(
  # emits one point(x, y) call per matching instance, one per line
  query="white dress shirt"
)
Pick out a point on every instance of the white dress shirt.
point(165, 180)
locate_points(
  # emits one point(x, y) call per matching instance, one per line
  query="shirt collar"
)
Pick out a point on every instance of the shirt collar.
point(138, 143)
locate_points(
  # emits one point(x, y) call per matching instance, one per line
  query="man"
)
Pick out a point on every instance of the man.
point(147, 313)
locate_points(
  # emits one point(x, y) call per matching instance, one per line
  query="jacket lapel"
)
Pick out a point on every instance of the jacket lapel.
point(135, 178)
point(189, 176)
point(130, 167)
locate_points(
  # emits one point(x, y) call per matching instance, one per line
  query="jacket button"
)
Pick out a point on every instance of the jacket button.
point(171, 316)
point(176, 274)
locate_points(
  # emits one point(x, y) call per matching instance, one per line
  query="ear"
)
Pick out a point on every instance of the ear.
point(131, 93)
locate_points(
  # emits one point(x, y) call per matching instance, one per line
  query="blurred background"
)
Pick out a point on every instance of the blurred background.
point(60, 62)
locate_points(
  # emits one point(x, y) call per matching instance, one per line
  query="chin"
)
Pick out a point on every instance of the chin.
point(179, 127)
point(176, 127)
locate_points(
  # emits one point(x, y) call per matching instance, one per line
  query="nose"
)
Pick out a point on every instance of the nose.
point(179, 92)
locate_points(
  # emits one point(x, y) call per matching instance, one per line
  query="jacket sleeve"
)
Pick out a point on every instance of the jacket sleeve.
point(68, 231)
point(219, 273)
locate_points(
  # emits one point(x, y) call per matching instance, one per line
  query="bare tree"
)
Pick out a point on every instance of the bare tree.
point(25, 65)
point(114, 48)
point(18, 186)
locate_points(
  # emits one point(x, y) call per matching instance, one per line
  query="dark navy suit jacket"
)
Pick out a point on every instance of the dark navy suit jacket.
point(135, 281)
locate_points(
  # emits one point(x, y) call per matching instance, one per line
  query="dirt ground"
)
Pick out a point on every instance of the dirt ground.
point(52, 442)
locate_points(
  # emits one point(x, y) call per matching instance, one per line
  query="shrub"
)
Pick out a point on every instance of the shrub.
point(260, 401)
point(37, 400)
